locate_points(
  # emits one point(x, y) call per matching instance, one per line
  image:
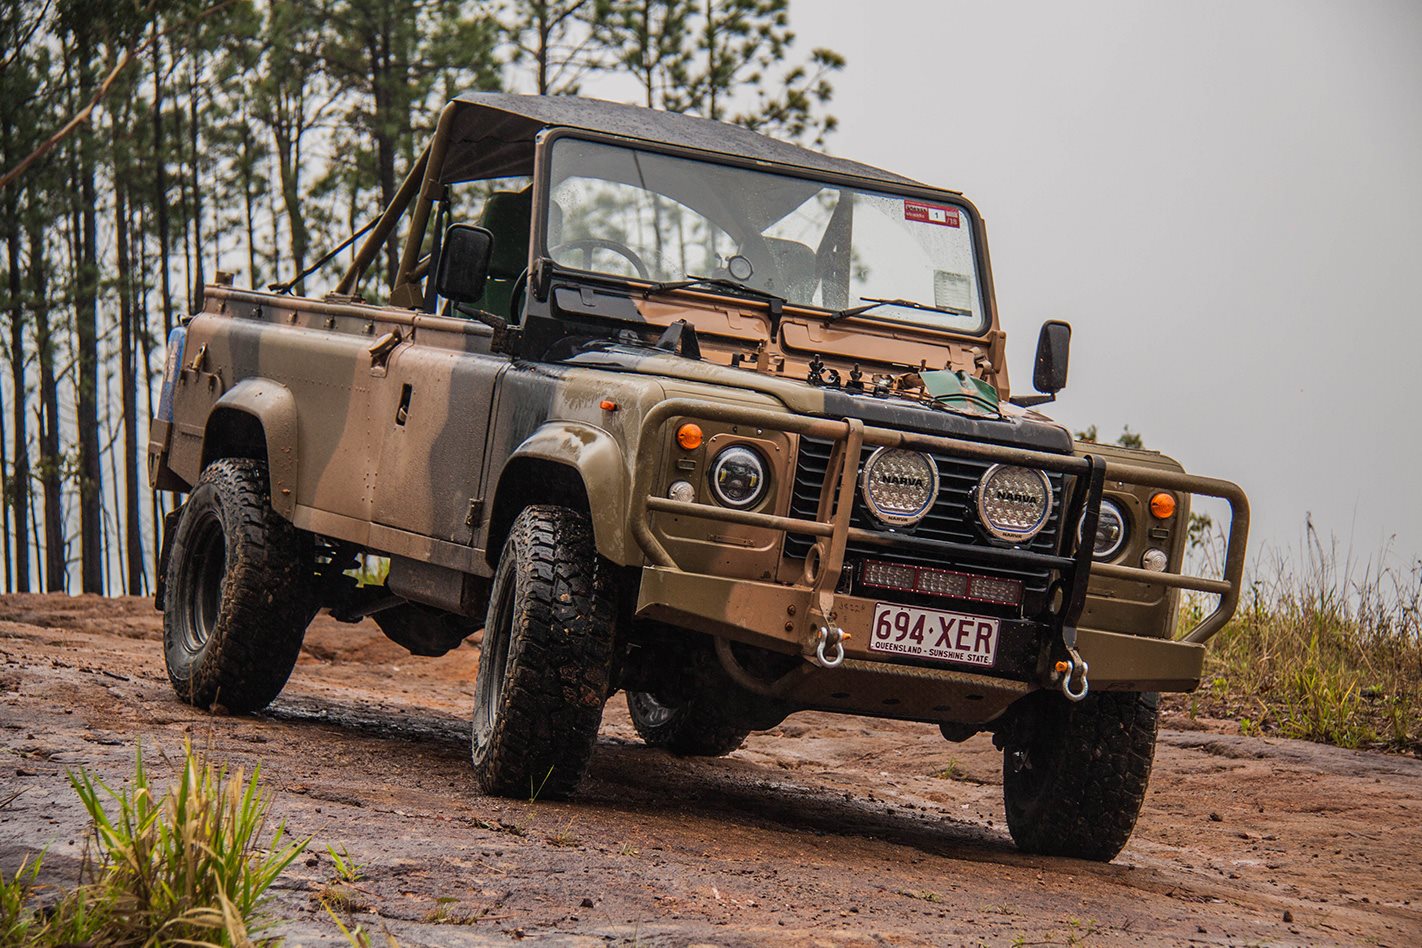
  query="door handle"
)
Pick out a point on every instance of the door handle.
point(402, 413)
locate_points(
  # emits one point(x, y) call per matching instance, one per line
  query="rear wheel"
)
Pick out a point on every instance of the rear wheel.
point(692, 728)
point(1074, 775)
point(546, 663)
point(237, 600)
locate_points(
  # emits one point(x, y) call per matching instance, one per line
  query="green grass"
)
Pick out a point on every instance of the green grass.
point(346, 868)
point(1322, 648)
point(189, 864)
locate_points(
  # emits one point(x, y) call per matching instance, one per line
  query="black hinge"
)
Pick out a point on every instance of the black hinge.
point(476, 507)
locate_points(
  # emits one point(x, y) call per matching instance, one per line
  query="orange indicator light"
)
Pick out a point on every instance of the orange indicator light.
point(609, 405)
point(689, 436)
point(1162, 505)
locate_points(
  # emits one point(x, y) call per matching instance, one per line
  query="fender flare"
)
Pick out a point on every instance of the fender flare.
point(598, 461)
point(273, 406)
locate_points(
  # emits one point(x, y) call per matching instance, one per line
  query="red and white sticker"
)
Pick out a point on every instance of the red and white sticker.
point(926, 213)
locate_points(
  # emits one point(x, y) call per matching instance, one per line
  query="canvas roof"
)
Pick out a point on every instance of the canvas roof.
point(493, 134)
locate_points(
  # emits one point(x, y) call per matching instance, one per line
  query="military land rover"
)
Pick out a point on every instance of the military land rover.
point(668, 407)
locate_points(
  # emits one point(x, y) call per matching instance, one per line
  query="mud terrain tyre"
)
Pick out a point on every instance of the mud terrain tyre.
point(237, 600)
point(691, 729)
point(546, 662)
point(1074, 781)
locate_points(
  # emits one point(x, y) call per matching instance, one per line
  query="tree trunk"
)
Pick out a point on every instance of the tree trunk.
point(35, 543)
point(385, 76)
point(289, 165)
point(5, 561)
point(248, 200)
point(160, 173)
point(86, 327)
point(109, 506)
point(133, 520)
point(198, 279)
point(4, 510)
point(144, 354)
point(55, 541)
point(540, 13)
point(17, 576)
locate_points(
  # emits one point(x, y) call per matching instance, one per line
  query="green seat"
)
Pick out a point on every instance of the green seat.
point(508, 215)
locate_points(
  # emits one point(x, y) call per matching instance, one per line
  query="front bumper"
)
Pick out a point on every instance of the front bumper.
point(789, 618)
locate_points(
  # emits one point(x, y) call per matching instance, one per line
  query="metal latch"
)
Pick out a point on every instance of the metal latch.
point(381, 348)
point(476, 507)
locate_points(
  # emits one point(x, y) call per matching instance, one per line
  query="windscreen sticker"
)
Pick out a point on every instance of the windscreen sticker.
point(926, 213)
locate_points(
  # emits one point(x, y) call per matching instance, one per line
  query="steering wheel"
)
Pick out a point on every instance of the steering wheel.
point(588, 244)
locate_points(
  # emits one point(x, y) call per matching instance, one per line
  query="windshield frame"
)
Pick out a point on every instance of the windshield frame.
point(543, 180)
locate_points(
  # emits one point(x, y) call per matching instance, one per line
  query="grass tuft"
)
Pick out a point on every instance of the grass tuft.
point(1322, 648)
point(188, 864)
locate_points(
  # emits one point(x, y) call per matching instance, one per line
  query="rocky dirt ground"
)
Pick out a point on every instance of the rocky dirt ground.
point(828, 830)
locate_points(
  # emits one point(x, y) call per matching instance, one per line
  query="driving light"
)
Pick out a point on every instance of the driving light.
point(928, 581)
point(899, 486)
point(1162, 506)
point(1014, 503)
point(689, 436)
point(738, 477)
point(682, 491)
point(1110, 531)
point(1154, 560)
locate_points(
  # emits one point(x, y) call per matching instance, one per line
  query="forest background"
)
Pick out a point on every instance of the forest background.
point(146, 144)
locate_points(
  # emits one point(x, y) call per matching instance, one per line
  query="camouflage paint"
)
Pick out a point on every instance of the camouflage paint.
point(415, 435)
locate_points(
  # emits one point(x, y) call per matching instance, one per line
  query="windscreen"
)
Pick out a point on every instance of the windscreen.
point(641, 214)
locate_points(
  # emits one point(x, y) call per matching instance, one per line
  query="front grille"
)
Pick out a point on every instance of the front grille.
point(950, 519)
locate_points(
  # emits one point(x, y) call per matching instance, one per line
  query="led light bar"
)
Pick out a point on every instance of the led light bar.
point(940, 582)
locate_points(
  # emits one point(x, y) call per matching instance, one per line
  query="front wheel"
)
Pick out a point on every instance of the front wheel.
point(238, 592)
point(546, 664)
point(1074, 775)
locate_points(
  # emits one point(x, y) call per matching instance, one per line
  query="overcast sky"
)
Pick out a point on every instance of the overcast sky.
point(1225, 201)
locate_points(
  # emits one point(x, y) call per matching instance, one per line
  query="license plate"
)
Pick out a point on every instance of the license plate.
point(932, 633)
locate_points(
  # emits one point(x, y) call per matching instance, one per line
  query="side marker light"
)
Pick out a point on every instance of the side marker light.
point(1162, 506)
point(689, 436)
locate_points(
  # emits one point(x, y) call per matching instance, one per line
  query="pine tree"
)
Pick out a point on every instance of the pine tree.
point(17, 87)
point(291, 99)
point(237, 134)
point(560, 39)
point(386, 56)
point(653, 40)
point(78, 18)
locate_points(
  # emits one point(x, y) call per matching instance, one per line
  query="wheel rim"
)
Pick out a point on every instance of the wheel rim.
point(208, 565)
point(493, 666)
point(650, 711)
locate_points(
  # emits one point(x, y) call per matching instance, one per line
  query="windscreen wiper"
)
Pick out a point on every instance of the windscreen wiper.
point(874, 302)
point(776, 301)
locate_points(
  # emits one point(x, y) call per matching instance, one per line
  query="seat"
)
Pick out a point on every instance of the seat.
point(508, 215)
point(795, 276)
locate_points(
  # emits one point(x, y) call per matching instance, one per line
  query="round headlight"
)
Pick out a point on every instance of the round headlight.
point(1014, 502)
point(899, 486)
point(1110, 531)
point(738, 477)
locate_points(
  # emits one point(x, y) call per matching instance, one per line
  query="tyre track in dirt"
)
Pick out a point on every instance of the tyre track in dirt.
point(829, 830)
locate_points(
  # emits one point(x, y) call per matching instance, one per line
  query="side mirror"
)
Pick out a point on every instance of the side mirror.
point(464, 263)
point(1049, 373)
